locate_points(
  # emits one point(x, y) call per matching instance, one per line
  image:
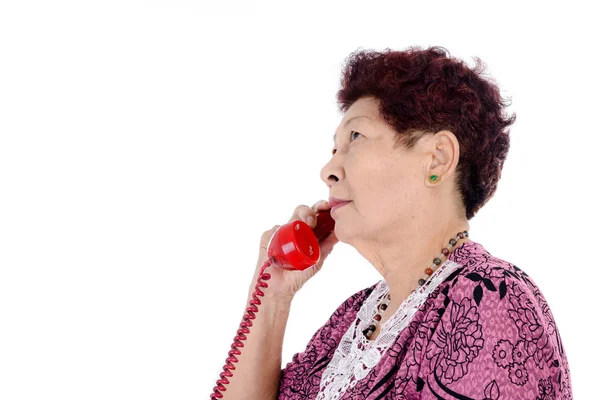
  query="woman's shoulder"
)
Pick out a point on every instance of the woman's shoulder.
point(492, 282)
point(476, 270)
point(508, 328)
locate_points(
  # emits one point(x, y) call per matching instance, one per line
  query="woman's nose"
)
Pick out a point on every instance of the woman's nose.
point(329, 174)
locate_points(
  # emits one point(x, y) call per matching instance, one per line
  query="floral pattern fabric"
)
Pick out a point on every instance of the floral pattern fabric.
point(486, 332)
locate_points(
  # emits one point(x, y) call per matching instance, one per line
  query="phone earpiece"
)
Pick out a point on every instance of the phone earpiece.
point(295, 246)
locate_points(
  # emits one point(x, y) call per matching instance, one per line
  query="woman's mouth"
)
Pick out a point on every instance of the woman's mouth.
point(338, 205)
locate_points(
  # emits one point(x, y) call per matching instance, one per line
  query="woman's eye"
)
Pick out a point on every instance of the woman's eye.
point(351, 135)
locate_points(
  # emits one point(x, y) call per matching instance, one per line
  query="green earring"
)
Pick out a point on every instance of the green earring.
point(433, 178)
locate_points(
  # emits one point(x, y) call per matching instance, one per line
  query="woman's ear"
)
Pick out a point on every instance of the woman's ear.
point(445, 151)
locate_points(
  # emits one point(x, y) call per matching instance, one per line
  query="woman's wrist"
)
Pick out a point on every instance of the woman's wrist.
point(280, 298)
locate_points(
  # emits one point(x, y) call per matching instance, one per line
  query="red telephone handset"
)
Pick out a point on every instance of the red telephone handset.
point(294, 246)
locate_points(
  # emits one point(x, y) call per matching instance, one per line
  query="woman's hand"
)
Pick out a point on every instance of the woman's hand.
point(283, 283)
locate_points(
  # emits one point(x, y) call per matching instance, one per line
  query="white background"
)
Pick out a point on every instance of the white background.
point(146, 145)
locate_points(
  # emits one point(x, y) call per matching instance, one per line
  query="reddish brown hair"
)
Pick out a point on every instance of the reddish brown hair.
point(424, 91)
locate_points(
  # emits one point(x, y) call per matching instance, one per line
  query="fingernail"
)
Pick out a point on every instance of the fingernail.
point(311, 220)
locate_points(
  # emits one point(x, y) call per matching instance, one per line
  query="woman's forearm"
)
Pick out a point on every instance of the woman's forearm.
point(257, 372)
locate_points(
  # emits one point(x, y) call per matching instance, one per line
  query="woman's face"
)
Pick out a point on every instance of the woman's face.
point(387, 187)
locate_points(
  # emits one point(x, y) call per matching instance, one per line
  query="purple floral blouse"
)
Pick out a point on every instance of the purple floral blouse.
point(485, 332)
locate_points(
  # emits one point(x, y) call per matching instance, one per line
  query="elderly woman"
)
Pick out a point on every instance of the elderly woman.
point(419, 151)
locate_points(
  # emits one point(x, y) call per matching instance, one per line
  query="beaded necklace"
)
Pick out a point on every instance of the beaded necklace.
point(428, 272)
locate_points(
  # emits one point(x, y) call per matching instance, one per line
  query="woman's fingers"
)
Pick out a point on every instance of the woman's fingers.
point(304, 212)
point(321, 205)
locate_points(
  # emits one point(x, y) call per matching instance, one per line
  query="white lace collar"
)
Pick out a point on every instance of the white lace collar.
point(355, 355)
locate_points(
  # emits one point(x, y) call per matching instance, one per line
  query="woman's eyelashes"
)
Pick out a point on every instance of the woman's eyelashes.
point(353, 132)
point(351, 136)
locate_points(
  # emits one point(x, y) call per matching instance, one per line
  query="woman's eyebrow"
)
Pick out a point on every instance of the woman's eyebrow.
point(347, 122)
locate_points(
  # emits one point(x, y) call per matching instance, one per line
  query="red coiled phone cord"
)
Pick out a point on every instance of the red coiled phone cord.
point(242, 332)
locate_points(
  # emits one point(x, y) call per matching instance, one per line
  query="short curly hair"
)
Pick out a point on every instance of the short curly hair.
point(423, 91)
